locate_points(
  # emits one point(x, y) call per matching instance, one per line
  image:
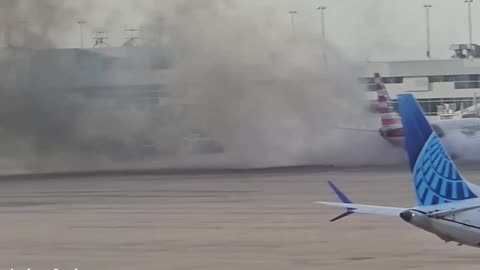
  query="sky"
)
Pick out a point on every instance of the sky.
point(360, 29)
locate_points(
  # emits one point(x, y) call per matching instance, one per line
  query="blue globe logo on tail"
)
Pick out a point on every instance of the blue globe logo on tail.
point(436, 179)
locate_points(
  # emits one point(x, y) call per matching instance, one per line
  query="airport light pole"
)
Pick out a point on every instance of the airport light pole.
point(469, 22)
point(322, 10)
point(427, 11)
point(81, 23)
point(292, 14)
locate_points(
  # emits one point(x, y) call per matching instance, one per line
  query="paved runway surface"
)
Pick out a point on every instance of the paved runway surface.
point(214, 221)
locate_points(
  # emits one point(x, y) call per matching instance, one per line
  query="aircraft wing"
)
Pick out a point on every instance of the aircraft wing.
point(368, 209)
point(360, 208)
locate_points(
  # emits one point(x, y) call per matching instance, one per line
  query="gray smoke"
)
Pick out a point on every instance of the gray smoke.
point(269, 96)
point(462, 147)
point(45, 124)
point(36, 24)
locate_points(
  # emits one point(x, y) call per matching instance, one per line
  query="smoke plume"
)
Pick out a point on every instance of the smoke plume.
point(36, 24)
point(271, 93)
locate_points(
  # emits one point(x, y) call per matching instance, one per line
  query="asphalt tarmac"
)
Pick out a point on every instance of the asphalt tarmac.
point(226, 220)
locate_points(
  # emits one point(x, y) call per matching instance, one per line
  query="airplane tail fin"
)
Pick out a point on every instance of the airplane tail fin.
point(436, 179)
point(391, 129)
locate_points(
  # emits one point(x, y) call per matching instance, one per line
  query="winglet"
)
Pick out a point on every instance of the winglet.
point(339, 193)
point(342, 198)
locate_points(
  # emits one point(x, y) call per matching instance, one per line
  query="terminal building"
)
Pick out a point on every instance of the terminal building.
point(440, 86)
point(140, 77)
point(126, 79)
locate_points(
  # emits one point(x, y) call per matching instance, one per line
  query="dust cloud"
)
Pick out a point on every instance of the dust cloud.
point(31, 23)
point(273, 95)
point(269, 93)
point(463, 148)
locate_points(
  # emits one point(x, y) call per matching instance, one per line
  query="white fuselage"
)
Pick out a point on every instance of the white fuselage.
point(460, 137)
point(462, 227)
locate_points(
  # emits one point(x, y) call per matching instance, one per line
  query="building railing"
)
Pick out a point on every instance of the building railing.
point(468, 81)
point(430, 106)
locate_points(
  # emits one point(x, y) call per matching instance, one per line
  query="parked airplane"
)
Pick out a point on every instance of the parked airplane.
point(392, 129)
point(461, 137)
point(447, 204)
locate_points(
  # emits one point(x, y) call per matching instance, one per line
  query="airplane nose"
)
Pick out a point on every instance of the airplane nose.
point(406, 215)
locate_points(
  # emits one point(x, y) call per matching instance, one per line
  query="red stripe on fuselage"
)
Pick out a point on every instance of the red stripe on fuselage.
point(389, 122)
point(382, 99)
point(384, 110)
point(395, 133)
